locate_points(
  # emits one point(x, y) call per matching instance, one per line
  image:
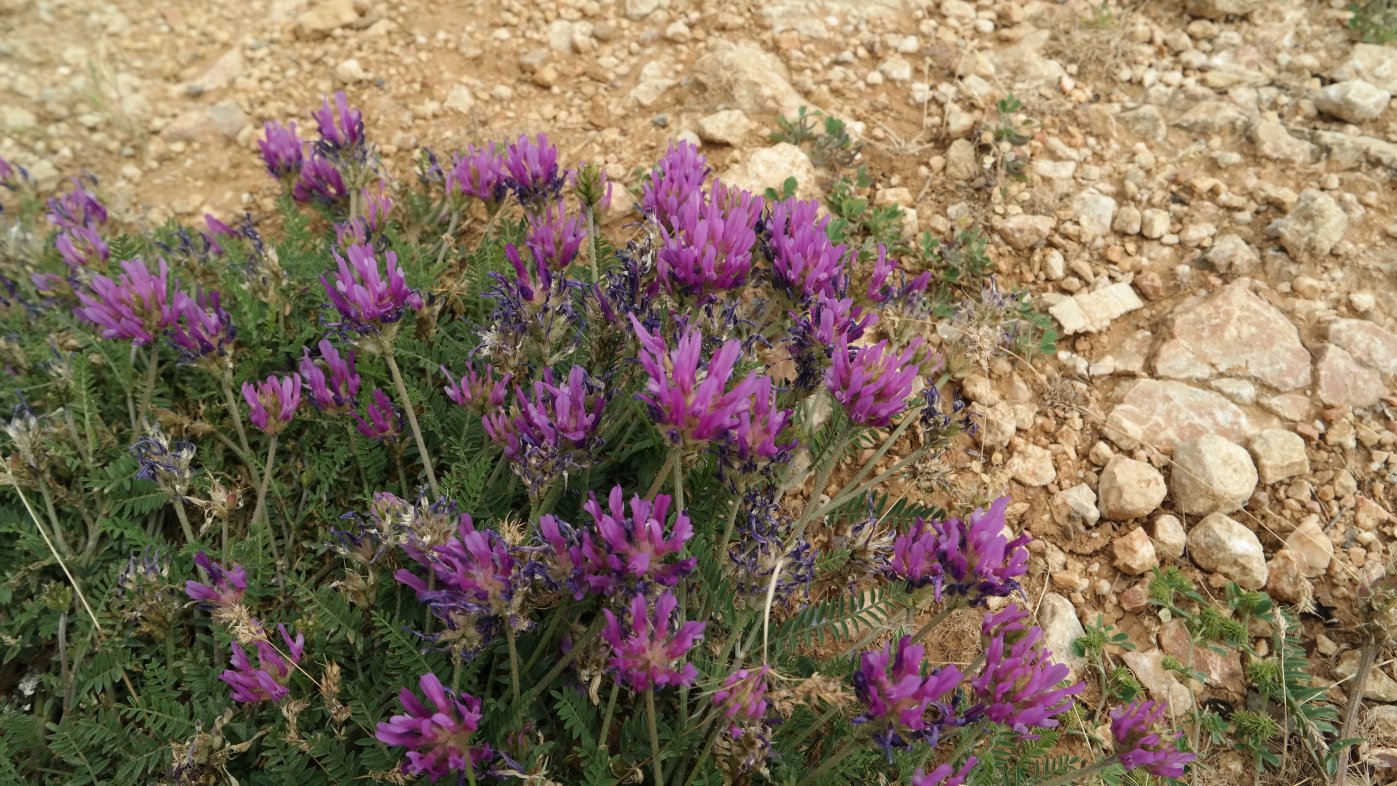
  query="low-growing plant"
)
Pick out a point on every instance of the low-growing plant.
point(436, 482)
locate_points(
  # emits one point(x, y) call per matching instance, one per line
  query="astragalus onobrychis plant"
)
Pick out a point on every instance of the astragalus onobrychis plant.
point(445, 484)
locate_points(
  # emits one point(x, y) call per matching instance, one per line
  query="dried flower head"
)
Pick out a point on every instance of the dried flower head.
point(164, 462)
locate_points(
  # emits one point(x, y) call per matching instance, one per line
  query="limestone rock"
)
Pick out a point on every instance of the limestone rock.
point(1061, 627)
point(1032, 466)
point(1379, 686)
point(746, 77)
point(769, 167)
point(1130, 489)
point(1279, 454)
point(222, 120)
point(1081, 501)
point(1148, 667)
point(1095, 212)
point(1135, 553)
point(324, 17)
point(1211, 474)
point(728, 127)
point(1221, 9)
point(960, 160)
point(1169, 535)
point(1273, 141)
point(1223, 545)
point(1353, 100)
point(1232, 254)
point(1372, 63)
point(1235, 333)
point(1314, 548)
point(1212, 117)
point(1089, 312)
point(1342, 382)
point(1285, 580)
point(1313, 227)
point(351, 71)
point(1164, 414)
point(1368, 343)
point(1222, 669)
point(1022, 232)
point(1154, 223)
point(459, 99)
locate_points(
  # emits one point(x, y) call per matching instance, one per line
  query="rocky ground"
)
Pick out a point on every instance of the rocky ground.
point(1207, 214)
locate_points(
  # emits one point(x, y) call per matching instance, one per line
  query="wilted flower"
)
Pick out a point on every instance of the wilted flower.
point(645, 651)
point(971, 559)
point(945, 775)
point(1017, 686)
point(903, 702)
point(24, 429)
point(882, 290)
point(552, 432)
point(675, 181)
point(1139, 743)
point(689, 400)
point(630, 551)
point(282, 150)
point(273, 402)
point(366, 297)
point(320, 181)
point(438, 738)
point(131, 308)
point(336, 392)
point(142, 593)
point(384, 421)
point(342, 133)
point(533, 170)
point(225, 587)
point(266, 682)
point(200, 328)
point(479, 173)
point(805, 263)
point(871, 383)
point(761, 546)
point(12, 175)
point(164, 462)
point(478, 392)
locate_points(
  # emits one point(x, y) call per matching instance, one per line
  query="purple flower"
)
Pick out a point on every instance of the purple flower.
point(644, 653)
point(554, 238)
point(554, 431)
point(320, 181)
point(366, 297)
point(871, 383)
point(338, 392)
point(13, 175)
point(479, 173)
point(902, 701)
point(826, 321)
point(200, 328)
point(438, 738)
point(760, 547)
point(272, 402)
point(758, 427)
point(879, 288)
point(344, 132)
point(131, 308)
point(743, 697)
point(1139, 743)
point(378, 204)
point(1017, 687)
point(533, 170)
point(630, 551)
point(282, 150)
point(805, 262)
point(267, 682)
point(478, 392)
point(675, 181)
point(81, 246)
point(225, 587)
point(78, 208)
point(970, 559)
point(709, 248)
point(688, 400)
point(384, 420)
point(473, 572)
point(945, 774)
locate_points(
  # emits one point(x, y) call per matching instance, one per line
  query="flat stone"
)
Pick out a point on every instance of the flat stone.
point(1095, 212)
point(1221, 670)
point(1231, 254)
point(746, 77)
point(1089, 312)
point(960, 160)
point(1135, 552)
point(1163, 685)
point(1211, 117)
point(1211, 474)
point(728, 127)
point(1163, 414)
point(1147, 121)
point(222, 120)
point(1272, 140)
point(1378, 687)
point(1373, 63)
point(1060, 625)
point(1368, 343)
point(1223, 545)
point(1382, 723)
point(1314, 548)
point(1279, 455)
point(1023, 65)
point(1235, 333)
point(459, 99)
point(1154, 223)
point(1130, 489)
point(1342, 382)
point(1032, 466)
point(1081, 501)
point(769, 167)
point(1313, 227)
point(1023, 232)
point(1353, 100)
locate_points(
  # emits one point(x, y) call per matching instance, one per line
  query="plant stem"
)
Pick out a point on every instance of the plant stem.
point(563, 662)
point(513, 663)
point(259, 512)
point(184, 523)
point(592, 244)
point(152, 372)
point(654, 736)
point(1355, 700)
point(610, 712)
point(411, 418)
point(1073, 777)
point(52, 514)
point(828, 764)
point(661, 476)
point(833, 710)
point(703, 755)
point(678, 463)
point(843, 498)
point(448, 239)
point(822, 473)
point(544, 640)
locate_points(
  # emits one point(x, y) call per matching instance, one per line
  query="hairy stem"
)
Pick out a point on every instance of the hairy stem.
point(830, 763)
point(259, 511)
point(610, 713)
point(513, 663)
point(563, 662)
point(1077, 775)
point(1355, 700)
point(184, 522)
point(231, 402)
point(152, 373)
point(52, 514)
point(449, 239)
point(654, 736)
point(411, 419)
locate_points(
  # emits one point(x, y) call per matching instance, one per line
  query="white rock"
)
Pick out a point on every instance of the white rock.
point(1130, 489)
point(1353, 100)
point(1081, 500)
point(1372, 63)
point(17, 118)
point(1135, 554)
point(1314, 547)
point(1379, 686)
point(1313, 227)
point(1060, 625)
point(1032, 466)
point(326, 16)
point(1368, 343)
point(1211, 474)
point(1231, 254)
point(459, 99)
point(746, 77)
point(960, 160)
point(896, 69)
point(639, 9)
point(1343, 382)
point(1221, 9)
point(1127, 221)
point(997, 425)
point(350, 71)
point(1094, 214)
point(1169, 535)
point(1022, 232)
point(1279, 454)
point(1154, 223)
point(769, 167)
point(728, 127)
point(1222, 545)
point(1089, 312)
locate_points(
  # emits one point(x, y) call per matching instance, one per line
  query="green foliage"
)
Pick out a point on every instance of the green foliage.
point(1374, 21)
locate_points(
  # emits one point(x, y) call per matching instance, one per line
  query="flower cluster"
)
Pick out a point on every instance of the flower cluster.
point(552, 432)
point(225, 588)
point(437, 738)
point(368, 298)
point(267, 680)
point(479, 392)
point(1140, 744)
point(689, 399)
point(339, 389)
point(676, 180)
point(1019, 686)
point(381, 419)
point(872, 383)
point(472, 586)
point(200, 328)
point(645, 652)
point(131, 307)
point(945, 774)
point(272, 402)
point(164, 462)
point(902, 703)
point(78, 215)
point(970, 559)
point(532, 170)
point(709, 247)
point(477, 173)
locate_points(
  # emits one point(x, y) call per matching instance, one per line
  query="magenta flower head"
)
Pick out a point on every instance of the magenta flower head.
point(742, 697)
point(675, 181)
point(633, 548)
point(881, 289)
point(200, 328)
point(688, 399)
point(945, 774)
point(871, 383)
point(1139, 743)
point(369, 298)
point(378, 205)
point(282, 150)
point(902, 702)
point(554, 238)
point(320, 181)
point(472, 573)
point(967, 559)
point(532, 167)
point(384, 421)
point(710, 246)
point(78, 208)
point(1018, 686)
point(479, 392)
point(131, 308)
point(81, 246)
point(225, 587)
point(272, 402)
point(343, 131)
point(478, 173)
point(437, 737)
point(645, 652)
point(804, 261)
point(12, 176)
point(267, 681)
point(337, 391)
